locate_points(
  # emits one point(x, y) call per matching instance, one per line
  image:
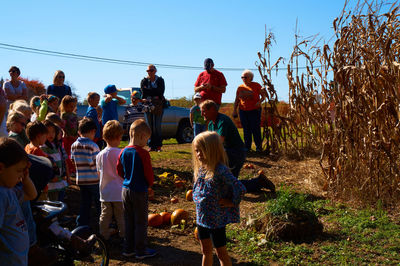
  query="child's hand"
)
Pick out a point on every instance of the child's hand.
point(226, 203)
point(108, 98)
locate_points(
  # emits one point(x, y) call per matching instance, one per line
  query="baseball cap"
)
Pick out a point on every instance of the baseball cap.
point(197, 96)
point(208, 63)
point(110, 89)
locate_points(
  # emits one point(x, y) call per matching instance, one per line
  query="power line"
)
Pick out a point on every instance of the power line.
point(31, 50)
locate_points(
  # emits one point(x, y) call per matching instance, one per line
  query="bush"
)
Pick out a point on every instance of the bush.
point(287, 202)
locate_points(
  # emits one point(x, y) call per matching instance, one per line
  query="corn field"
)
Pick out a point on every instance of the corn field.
point(347, 103)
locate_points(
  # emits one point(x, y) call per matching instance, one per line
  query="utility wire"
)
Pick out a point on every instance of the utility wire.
point(31, 50)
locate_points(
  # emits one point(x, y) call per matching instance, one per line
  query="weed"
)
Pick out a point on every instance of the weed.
point(288, 201)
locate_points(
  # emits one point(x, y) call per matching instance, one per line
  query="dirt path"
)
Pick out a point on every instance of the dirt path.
point(177, 246)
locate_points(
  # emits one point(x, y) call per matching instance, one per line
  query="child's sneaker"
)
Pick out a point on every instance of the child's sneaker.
point(128, 254)
point(148, 253)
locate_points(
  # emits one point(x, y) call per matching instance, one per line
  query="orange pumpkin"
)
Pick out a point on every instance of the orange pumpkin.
point(155, 220)
point(260, 172)
point(189, 195)
point(179, 215)
point(196, 234)
point(166, 216)
point(179, 183)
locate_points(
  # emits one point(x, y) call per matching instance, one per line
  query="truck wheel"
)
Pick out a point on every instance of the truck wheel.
point(185, 132)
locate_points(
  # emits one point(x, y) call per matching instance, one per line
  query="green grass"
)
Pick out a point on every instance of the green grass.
point(350, 237)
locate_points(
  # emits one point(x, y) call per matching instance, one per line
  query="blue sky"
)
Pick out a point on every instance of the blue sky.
point(166, 32)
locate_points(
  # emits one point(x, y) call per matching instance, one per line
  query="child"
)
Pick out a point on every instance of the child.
point(83, 155)
point(37, 135)
point(134, 165)
point(35, 106)
point(23, 107)
point(57, 185)
point(110, 104)
point(53, 103)
point(93, 100)
point(196, 119)
point(216, 193)
point(16, 123)
point(14, 240)
point(110, 182)
point(70, 123)
point(134, 111)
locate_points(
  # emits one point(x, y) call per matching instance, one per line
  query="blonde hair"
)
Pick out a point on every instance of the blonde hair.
point(35, 100)
point(56, 74)
point(92, 95)
point(112, 130)
point(67, 99)
point(53, 117)
point(21, 106)
point(210, 145)
point(12, 117)
point(139, 128)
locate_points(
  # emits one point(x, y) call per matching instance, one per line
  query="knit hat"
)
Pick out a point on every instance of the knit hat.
point(110, 89)
point(136, 94)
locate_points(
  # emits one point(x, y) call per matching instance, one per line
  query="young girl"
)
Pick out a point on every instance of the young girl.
point(216, 193)
point(16, 123)
point(53, 103)
point(70, 122)
point(57, 185)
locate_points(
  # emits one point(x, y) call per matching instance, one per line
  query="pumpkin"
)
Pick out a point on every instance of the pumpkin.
point(260, 172)
point(155, 220)
point(189, 195)
point(166, 216)
point(179, 215)
point(196, 233)
point(151, 193)
point(179, 183)
point(174, 200)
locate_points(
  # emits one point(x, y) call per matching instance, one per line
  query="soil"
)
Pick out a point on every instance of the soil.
point(177, 245)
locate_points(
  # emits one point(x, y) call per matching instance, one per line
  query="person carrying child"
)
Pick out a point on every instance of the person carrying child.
point(196, 119)
point(110, 104)
point(216, 193)
point(134, 165)
point(83, 155)
point(15, 187)
point(136, 110)
point(56, 186)
point(110, 181)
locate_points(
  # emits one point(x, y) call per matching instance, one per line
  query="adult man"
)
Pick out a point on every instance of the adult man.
point(210, 83)
point(233, 145)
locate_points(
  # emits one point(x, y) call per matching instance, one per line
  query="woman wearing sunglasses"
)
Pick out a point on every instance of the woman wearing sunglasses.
point(15, 89)
point(58, 88)
point(153, 88)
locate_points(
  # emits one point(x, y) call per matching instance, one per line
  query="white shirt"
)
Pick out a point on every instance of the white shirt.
point(16, 91)
point(110, 181)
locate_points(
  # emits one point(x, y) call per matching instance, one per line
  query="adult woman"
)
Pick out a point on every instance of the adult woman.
point(153, 88)
point(249, 97)
point(15, 89)
point(58, 88)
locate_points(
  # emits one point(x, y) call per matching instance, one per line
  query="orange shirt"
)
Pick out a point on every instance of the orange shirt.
point(248, 96)
point(30, 149)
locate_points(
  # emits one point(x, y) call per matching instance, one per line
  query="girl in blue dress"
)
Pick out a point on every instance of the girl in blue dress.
point(216, 193)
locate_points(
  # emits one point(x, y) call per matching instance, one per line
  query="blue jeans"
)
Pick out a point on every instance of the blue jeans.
point(198, 128)
point(154, 122)
point(250, 121)
point(89, 193)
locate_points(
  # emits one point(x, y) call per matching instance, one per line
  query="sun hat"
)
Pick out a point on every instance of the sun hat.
point(208, 63)
point(110, 89)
